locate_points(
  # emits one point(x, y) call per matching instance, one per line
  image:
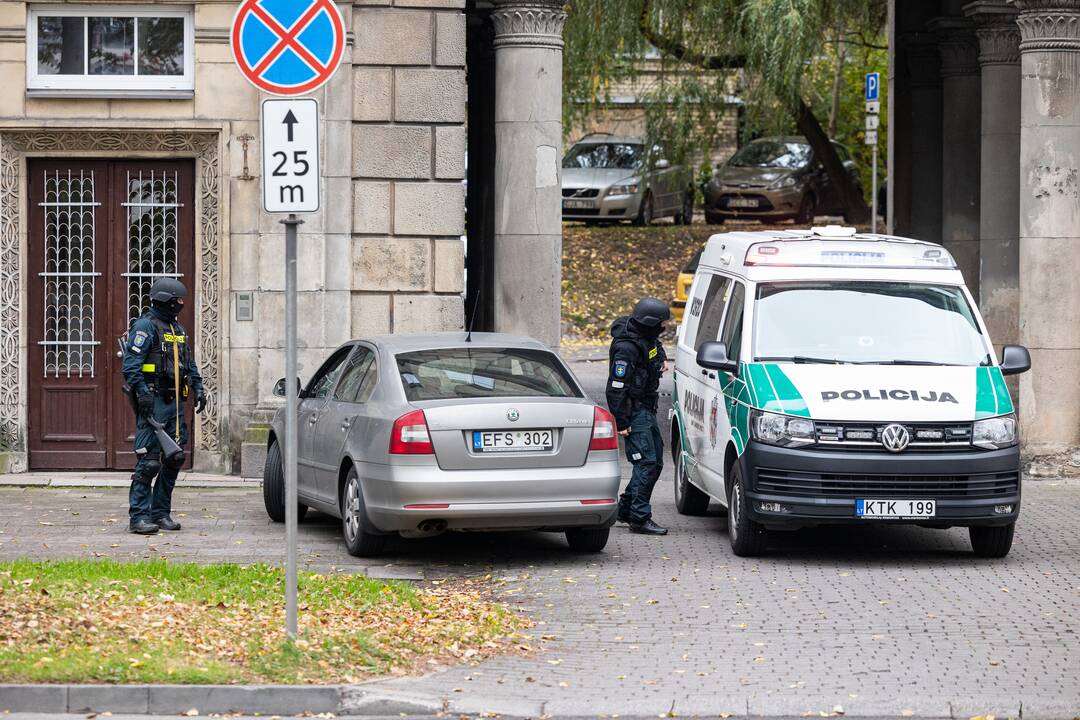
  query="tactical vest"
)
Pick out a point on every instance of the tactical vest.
point(160, 365)
point(645, 380)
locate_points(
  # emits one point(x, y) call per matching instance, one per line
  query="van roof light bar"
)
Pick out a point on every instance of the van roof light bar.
point(836, 252)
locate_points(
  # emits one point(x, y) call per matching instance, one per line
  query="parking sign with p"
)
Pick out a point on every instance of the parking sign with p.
point(873, 86)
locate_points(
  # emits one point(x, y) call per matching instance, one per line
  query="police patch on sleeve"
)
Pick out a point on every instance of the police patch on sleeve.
point(138, 340)
point(620, 368)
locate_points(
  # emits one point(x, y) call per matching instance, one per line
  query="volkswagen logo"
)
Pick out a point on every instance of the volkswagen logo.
point(512, 415)
point(895, 438)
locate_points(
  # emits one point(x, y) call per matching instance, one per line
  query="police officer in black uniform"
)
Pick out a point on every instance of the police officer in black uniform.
point(637, 360)
point(160, 370)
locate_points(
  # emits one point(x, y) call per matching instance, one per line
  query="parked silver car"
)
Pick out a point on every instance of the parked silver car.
point(610, 179)
point(419, 434)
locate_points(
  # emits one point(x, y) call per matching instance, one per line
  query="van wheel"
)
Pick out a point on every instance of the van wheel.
point(274, 487)
point(992, 542)
point(688, 499)
point(587, 540)
point(354, 519)
point(748, 538)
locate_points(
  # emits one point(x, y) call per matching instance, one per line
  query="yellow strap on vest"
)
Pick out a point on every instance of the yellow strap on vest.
point(149, 367)
point(176, 378)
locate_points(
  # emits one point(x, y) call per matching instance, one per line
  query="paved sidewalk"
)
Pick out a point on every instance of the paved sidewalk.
point(117, 480)
point(878, 620)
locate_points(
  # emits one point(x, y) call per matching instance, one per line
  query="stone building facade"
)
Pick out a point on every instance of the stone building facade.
point(111, 173)
point(984, 153)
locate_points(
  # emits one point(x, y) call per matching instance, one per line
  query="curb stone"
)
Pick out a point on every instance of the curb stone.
point(172, 699)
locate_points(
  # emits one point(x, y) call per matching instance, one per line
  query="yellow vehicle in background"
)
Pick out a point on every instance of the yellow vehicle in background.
point(682, 286)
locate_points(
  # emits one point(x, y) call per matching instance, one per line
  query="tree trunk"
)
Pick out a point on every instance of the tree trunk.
point(824, 151)
point(837, 85)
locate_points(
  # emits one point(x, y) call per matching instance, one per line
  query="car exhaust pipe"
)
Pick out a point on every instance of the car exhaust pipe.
point(432, 526)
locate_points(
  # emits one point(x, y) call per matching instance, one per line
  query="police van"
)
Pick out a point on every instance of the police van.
point(827, 376)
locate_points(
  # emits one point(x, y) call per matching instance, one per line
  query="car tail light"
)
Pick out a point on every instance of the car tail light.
point(604, 436)
point(410, 435)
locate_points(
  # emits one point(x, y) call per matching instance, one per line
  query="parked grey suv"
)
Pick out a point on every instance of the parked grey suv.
point(611, 179)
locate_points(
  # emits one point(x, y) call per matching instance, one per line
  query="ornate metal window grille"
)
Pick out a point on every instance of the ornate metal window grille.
point(152, 235)
point(69, 274)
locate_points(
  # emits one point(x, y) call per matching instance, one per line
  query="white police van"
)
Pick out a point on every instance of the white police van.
point(825, 376)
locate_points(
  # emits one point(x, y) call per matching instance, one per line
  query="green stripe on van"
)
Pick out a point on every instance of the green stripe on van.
point(774, 391)
point(790, 397)
point(991, 394)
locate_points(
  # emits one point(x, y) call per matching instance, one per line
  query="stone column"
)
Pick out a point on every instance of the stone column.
point(1050, 223)
point(528, 154)
point(999, 215)
point(924, 102)
point(960, 144)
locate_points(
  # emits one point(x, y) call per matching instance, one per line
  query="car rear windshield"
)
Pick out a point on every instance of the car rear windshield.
point(607, 156)
point(453, 373)
point(772, 154)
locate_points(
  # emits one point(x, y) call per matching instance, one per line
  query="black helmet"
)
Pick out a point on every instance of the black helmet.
point(165, 290)
point(650, 312)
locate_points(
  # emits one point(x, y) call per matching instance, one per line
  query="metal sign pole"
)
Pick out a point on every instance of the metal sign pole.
point(873, 193)
point(291, 380)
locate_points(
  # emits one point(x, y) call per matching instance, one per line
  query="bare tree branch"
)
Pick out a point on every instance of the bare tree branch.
point(679, 51)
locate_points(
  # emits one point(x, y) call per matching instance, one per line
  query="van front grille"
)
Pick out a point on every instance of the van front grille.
point(866, 437)
point(844, 485)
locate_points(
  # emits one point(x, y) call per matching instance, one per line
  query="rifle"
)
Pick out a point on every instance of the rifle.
point(171, 452)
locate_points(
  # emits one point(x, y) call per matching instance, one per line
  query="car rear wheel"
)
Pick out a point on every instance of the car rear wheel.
point(354, 519)
point(274, 487)
point(645, 212)
point(587, 540)
point(992, 542)
point(807, 208)
point(713, 219)
point(688, 499)
point(748, 538)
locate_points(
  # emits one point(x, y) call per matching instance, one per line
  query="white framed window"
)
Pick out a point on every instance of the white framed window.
point(110, 51)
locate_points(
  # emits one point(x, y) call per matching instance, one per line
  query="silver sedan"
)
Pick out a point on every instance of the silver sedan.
point(419, 434)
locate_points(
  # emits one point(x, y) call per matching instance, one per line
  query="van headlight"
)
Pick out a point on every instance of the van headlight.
point(782, 430)
point(629, 186)
point(994, 433)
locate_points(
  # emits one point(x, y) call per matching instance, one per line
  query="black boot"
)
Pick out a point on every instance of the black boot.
point(142, 527)
point(648, 528)
point(167, 523)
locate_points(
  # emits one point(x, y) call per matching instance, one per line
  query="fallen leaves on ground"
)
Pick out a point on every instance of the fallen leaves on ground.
point(90, 621)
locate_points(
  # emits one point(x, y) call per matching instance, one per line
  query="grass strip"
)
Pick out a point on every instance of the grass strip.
point(91, 621)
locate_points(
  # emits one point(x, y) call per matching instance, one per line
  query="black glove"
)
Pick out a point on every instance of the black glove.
point(146, 403)
point(200, 402)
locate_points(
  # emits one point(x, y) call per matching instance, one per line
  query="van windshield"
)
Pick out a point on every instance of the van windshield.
point(867, 322)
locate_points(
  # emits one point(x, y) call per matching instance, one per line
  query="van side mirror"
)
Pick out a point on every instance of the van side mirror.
point(280, 385)
point(1015, 359)
point(714, 356)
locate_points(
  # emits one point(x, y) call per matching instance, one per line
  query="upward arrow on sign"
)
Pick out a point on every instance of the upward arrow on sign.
point(290, 121)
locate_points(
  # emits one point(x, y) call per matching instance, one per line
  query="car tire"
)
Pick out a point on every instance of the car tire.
point(807, 208)
point(992, 542)
point(274, 487)
point(748, 538)
point(685, 216)
point(358, 541)
point(689, 500)
point(711, 219)
point(587, 540)
point(645, 212)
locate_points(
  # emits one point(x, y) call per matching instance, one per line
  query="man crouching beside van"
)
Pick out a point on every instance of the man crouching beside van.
point(637, 360)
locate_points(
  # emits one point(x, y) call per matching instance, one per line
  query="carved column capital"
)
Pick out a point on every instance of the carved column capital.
point(995, 26)
point(528, 23)
point(1049, 25)
point(923, 59)
point(958, 45)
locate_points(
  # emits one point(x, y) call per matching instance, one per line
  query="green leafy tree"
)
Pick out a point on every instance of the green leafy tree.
point(768, 45)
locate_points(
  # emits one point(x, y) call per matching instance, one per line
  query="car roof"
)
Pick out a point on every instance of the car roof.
point(412, 342)
point(603, 139)
point(850, 252)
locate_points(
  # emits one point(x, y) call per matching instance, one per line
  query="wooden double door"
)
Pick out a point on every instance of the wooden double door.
point(100, 233)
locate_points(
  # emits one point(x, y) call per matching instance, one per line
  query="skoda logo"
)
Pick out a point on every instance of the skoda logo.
point(512, 415)
point(895, 438)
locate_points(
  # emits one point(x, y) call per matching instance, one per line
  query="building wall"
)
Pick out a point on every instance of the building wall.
point(385, 254)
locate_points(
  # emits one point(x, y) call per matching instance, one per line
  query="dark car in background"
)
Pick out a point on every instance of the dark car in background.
point(772, 179)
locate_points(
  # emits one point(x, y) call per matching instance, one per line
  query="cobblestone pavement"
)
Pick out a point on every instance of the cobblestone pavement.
point(878, 620)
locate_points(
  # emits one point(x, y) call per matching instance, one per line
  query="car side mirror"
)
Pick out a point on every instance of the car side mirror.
point(280, 385)
point(1015, 359)
point(714, 356)
point(662, 164)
